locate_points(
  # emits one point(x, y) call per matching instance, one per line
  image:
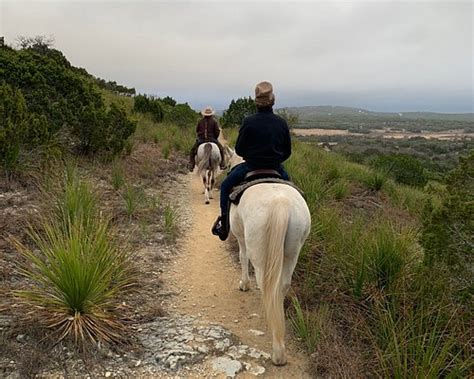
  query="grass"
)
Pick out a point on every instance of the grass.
point(375, 181)
point(369, 260)
point(170, 222)
point(134, 199)
point(117, 175)
point(308, 326)
point(417, 345)
point(76, 270)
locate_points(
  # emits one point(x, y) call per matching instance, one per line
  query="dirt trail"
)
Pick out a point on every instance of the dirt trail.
point(207, 279)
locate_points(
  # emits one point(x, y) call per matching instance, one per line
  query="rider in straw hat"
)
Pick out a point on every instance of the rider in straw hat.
point(264, 143)
point(207, 130)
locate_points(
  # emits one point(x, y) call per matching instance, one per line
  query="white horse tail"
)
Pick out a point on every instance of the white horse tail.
point(272, 292)
point(205, 161)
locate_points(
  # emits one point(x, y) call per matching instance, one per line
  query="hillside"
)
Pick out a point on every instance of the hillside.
point(117, 273)
point(346, 117)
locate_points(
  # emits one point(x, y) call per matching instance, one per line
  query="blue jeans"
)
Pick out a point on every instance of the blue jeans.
point(236, 176)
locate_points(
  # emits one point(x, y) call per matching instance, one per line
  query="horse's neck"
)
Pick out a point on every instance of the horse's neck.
point(235, 160)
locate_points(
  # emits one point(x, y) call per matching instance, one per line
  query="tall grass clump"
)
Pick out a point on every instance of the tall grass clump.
point(374, 180)
point(173, 137)
point(418, 343)
point(76, 270)
point(117, 176)
point(308, 326)
point(134, 199)
point(410, 198)
point(170, 222)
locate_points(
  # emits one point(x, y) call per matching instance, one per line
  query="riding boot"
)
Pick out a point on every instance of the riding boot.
point(192, 161)
point(221, 227)
point(222, 165)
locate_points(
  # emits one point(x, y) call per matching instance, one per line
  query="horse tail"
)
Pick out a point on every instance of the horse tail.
point(205, 161)
point(272, 293)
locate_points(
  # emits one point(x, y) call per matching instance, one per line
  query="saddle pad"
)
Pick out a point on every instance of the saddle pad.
point(238, 191)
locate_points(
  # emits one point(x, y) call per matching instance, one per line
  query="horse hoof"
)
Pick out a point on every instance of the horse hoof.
point(278, 360)
point(244, 287)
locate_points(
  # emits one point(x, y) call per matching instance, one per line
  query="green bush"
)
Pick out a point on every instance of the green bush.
point(58, 99)
point(238, 110)
point(448, 228)
point(13, 118)
point(403, 168)
point(182, 115)
point(148, 104)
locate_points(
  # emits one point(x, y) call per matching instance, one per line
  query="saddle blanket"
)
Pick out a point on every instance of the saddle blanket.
point(238, 191)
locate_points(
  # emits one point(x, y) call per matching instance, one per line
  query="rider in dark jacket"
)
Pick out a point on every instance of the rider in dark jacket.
point(207, 130)
point(264, 142)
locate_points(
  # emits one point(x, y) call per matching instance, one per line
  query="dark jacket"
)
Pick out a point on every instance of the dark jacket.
point(207, 129)
point(264, 140)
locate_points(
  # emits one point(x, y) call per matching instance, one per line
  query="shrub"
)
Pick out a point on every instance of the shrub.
point(182, 115)
point(403, 168)
point(59, 98)
point(118, 128)
point(12, 125)
point(168, 101)
point(145, 104)
point(237, 111)
point(448, 229)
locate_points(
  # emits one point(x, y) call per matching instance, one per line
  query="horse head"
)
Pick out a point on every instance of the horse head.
point(231, 157)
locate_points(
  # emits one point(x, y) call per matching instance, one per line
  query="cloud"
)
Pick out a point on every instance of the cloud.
point(211, 52)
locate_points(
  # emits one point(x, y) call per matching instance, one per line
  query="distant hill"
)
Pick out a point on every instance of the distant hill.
point(308, 112)
point(337, 117)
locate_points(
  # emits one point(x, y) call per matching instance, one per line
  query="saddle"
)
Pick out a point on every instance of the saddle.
point(257, 177)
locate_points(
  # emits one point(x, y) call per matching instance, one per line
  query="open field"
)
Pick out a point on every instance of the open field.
point(387, 133)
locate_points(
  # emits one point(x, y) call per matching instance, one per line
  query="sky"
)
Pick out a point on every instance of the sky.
point(378, 55)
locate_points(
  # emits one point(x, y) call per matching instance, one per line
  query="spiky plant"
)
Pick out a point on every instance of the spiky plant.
point(76, 271)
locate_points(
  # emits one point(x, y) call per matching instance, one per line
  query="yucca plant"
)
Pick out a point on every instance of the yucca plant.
point(72, 200)
point(76, 270)
point(76, 278)
point(134, 198)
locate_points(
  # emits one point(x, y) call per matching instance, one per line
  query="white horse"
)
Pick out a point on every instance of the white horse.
point(208, 160)
point(271, 223)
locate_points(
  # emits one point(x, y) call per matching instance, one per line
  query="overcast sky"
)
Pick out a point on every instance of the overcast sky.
point(393, 56)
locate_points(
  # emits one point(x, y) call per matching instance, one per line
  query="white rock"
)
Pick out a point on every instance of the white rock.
point(258, 370)
point(227, 366)
point(256, 332)
point(108, 374)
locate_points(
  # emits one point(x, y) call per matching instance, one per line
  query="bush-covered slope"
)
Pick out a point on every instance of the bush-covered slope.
point(52, 100)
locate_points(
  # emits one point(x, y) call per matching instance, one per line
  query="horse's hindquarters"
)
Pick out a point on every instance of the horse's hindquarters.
point(271, 224)
point(208, 160)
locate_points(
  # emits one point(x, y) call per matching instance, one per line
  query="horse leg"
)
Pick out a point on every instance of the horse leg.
point(206, 192)
point(211, 181)
point(289, 264)
point(244, 284)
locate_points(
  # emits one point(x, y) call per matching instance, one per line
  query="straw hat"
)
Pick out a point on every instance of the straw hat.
point(208, 111)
